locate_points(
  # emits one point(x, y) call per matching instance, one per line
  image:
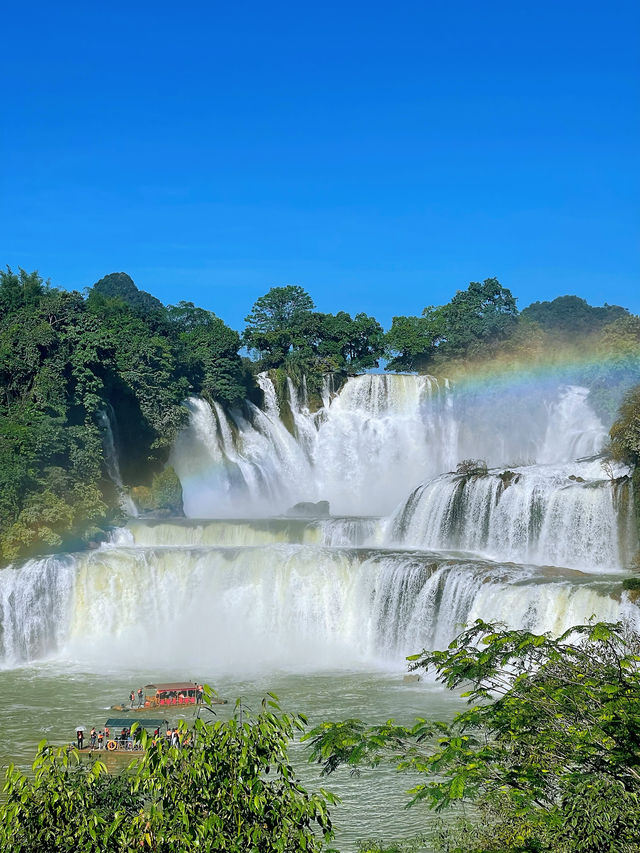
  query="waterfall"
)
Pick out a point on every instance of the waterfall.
point(346, 532)
point(369, 444)
point(559, 515)
point(282, 605)
point(35, 608)
point(410, 553)
point(111, 462)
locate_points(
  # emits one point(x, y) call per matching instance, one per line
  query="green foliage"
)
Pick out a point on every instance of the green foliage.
point(281, 323)
point(412, 341)
point(547, 752)
point(63, 360)
point(485, 313)
point(285, 331)
point(625, 433)
point(348, 344)
point(163, 497)
point(572, 315)
point(208, 350)
point(230, 787)
point(119, 287)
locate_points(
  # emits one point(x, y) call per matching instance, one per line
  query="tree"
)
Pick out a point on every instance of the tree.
point(280, 308)
point(483, 313)
point(625, 433)
point(229, 787)
point(208, 352)
point(412, 341)
point(280, 321)
point(350, 344)
point(476, 318)
point(547, 753)
point(571, 315)
point(21, 289)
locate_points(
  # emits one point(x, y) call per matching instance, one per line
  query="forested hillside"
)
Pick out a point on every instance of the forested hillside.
point(71, 363)
point(64, 358)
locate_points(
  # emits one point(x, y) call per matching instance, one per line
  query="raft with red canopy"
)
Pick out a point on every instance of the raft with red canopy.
point(172, 693)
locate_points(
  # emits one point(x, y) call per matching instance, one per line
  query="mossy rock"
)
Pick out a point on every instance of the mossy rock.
point(163, 497)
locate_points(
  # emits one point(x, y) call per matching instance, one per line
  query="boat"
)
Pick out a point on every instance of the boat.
point(119, 740)
point(161, 695)
point(173, 693)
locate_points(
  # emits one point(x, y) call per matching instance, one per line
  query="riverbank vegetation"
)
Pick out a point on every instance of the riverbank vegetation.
point(546, 755)
point(113, 365)
point(229, 786)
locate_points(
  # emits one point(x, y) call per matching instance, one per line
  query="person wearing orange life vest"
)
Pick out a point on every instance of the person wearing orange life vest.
point(140, 697)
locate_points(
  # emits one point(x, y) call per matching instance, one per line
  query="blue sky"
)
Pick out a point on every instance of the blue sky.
point(382, 155)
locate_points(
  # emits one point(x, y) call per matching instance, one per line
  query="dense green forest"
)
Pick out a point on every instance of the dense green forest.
point(71, 363)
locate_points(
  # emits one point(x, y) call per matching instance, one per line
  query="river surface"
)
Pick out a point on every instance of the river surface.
point(49, 700)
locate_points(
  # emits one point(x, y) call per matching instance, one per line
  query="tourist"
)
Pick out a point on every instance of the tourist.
point(175, 740)
point(140, 697)
point(199, 694)
point(132, 698)
point(123, 737)
point(107, 734)
point(93, 737)
point(100, 738)
point(80, 737)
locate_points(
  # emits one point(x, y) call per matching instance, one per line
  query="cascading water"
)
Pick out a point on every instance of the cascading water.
point(279, 605)
point(559, 515)
point(112, 464)
point(240, 586)
point(369, 445)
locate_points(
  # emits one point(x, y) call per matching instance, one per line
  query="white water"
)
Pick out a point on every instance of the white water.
point(112, 464)
point(369, 445)
point(418, 552)
point(275, 606)
point(534, 514)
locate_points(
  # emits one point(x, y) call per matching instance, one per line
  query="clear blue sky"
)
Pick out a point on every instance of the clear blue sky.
point(380, 154)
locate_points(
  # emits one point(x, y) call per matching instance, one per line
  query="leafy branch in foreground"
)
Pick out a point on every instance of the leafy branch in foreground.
point(548, 753)
point(229, 787)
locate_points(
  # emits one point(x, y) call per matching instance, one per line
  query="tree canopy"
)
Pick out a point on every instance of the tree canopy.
point(572, 315)
point(483, 314)
point(284, 331)
point(64, 359)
